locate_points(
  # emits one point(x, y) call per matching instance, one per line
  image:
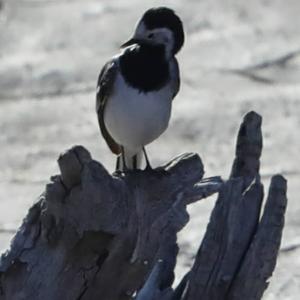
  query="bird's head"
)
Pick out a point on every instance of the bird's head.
point(159, 26)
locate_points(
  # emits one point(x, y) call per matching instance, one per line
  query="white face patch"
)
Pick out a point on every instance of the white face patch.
point(140, 30)
point(160, 36)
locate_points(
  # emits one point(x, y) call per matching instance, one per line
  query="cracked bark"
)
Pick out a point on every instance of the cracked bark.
point(92, 235)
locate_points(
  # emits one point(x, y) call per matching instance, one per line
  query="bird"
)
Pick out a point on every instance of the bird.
point(136, 87)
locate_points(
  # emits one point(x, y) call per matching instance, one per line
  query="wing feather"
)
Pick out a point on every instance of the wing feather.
point(104, 89)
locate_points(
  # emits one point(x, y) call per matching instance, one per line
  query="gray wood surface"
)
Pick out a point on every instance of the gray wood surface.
point(93, 235)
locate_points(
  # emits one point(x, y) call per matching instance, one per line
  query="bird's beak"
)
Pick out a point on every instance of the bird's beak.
point(131, 42)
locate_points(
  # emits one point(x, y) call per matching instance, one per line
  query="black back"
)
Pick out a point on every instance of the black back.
point(145, 67)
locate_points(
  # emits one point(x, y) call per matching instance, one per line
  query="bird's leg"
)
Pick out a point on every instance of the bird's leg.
point(118, 163)
point(123, 158)
point(134, 162)
point(118, 171)
point(148, 166)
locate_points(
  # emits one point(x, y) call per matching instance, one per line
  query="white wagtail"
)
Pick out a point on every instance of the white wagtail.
point(136, 87)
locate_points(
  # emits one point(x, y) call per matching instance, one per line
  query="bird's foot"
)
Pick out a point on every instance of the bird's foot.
point(148, 168)
point(118, 173)
point(122, 172)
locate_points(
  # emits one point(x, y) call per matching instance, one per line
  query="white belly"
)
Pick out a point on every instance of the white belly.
point(135, 119)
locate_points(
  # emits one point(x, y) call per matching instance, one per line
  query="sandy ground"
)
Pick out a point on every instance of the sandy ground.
point(238, 56)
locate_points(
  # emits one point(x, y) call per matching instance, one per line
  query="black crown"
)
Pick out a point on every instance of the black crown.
point(165, 17)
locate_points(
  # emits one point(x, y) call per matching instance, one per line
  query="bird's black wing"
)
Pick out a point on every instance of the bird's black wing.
point(104, 89)
point(176, 80)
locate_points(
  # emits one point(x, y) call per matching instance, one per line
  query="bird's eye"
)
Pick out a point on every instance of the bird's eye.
point(151, 35)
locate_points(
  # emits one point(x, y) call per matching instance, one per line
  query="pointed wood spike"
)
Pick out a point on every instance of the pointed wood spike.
point(248, 148)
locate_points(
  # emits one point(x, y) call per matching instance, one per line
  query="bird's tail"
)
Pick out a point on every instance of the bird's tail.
point(133, 160)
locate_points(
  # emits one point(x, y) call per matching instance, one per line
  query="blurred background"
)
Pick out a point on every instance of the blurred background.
point(238, 56)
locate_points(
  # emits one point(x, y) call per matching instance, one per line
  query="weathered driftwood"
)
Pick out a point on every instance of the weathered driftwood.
point(239, 251)
point(96, 236)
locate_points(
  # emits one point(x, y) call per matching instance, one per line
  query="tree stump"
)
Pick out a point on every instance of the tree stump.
point(93, 235)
